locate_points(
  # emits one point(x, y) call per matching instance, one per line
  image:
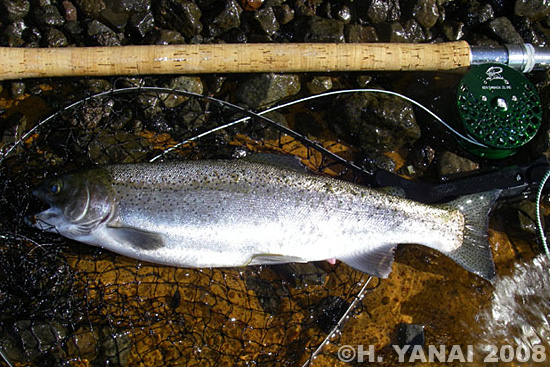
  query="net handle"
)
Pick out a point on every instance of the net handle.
point(19, 63)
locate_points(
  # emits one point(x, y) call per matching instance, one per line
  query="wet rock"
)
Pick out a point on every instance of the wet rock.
point(410, 334)
point(329, 312)
point(13, 10)
point(319, 84)
point(267, 20)
point(119, 147)
point(165, 37)
point(426, 12)
point(90, 8)
point(356, 33)
point(325, 30)
point(32, 35)
point(535, 10)
point(413, 31)
point(71, 14)
point(527, 216)
point(476, 13)
point(141, 23)
point(72, 29)
point(363, 81)
point(421, 157)
point(306, 8)
point(230, 17)
point(115, 346)
point(116, 19)
point(531, 32)
point(393, 32)
point(250, 5)
point(12, 35)
point(266, 89)
point(453, 30)
point(375, 122)
point(182, 83)
point(48, 15)
point(102, 35)
point(17, 89)
point(181, 15)
point(342, 13)
point(380, 11)
point(284, 13)
point(450, 165)
point(504, 29)
point(306, 124)
point(269, 294)
point(36, 337)
point(83, 344)
point(53, 37)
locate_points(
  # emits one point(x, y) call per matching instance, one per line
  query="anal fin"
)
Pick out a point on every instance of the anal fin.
point(268, 259)
point(376, 262)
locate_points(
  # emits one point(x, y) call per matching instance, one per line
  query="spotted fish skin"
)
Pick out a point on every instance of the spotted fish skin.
point(225, 213)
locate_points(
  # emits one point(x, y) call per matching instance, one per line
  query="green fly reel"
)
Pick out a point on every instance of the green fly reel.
point(498, 107)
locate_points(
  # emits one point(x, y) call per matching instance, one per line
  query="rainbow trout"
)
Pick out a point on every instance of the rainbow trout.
point(226, 213)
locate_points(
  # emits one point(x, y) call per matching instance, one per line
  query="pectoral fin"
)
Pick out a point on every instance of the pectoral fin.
point(136, 238)
point(376, 262)
point(269, 259)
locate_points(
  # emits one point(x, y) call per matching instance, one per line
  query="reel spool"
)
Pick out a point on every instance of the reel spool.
point(498, 107)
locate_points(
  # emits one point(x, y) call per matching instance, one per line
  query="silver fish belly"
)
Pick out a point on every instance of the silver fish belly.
point(236, 213)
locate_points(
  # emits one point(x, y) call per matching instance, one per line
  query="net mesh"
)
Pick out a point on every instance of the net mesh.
point(68, 304)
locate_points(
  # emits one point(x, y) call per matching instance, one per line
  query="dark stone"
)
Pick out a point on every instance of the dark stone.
point(72, 28)
point(306, 8)
point(319, 84)
point(32, 35)
point(267, 20)
point(325, 30)
point(381, 11)
point(141, 23)
point(375, 122)
point(413, 31)
point(426, 12)
point(269, 294)
point(422, 156)
point(329, 311)
point(114, 18)
point(284, 13)
point(48, 15)
point(453, 30)
point(393, 32)
point(164, 37)
point(535, 10)
point(181, 15)
point(476, 13)
point(230, 17)
point(14, 9)
point(451, 165)
point(12, 35)
point(306, 124)
point(410, 334)
point(120, 147)
point(251, 5)
point(342, 13)
point(504, 29)
point(71, 14)
point(52, 37)
point(102, 35)
point(90, 8)
point(266, 89)
point(17, 89)
point(115, 346)
point(356, 33)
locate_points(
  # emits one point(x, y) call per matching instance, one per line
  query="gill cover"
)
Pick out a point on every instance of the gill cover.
point(79, 202)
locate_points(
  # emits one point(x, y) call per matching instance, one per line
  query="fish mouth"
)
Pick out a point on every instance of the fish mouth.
point(42, 220)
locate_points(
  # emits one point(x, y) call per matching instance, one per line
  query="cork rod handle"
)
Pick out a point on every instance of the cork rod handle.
point(19, 63)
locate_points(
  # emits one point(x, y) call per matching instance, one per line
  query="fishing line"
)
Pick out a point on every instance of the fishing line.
point(538, 214)
point(340, 322)
point(321, 95)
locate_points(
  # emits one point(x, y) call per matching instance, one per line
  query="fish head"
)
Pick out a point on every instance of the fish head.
point(78, 202)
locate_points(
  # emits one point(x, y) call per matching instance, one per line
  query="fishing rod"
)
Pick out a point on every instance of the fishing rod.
point(19, 63)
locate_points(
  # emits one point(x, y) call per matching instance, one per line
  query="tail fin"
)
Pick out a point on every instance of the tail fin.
point(475, 253)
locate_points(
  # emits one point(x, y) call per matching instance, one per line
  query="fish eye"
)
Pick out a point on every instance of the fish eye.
point(55, 188)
